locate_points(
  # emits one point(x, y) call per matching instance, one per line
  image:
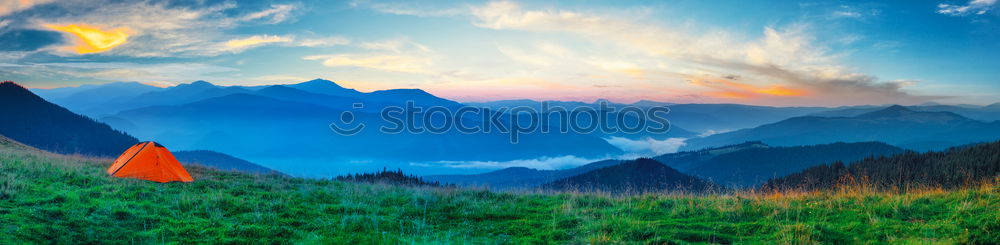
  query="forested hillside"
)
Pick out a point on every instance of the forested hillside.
point(33, 121)
point(754, 166)
point(956, 167)
point(642, 175)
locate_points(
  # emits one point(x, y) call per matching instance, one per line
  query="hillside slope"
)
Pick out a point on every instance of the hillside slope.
point(956, 167)
point(983, 113)
point(48, 198)
point(686, 160)
point(895, 125)
point(220, 161)
point(754, 166)
point(518, 177)
point(638, 176)
point(31, 120)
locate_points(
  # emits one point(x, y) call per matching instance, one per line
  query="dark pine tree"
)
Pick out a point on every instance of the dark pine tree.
point(386, 176)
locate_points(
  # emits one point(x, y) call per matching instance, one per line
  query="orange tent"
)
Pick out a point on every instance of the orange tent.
point(149, 161)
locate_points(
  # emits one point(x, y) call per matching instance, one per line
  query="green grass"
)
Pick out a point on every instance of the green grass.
point(47, 198)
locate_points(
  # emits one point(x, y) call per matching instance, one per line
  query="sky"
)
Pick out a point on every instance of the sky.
point(784, 53)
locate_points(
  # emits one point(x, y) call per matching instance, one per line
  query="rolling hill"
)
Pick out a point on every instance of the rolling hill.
point(221, 161)
point(740, 165)
point(686, 160)
point(987, 113)
point(950, 169)
point(518, 177)
point(642, 175)
point(326, 87)
point(753, 166)
point(895, 125)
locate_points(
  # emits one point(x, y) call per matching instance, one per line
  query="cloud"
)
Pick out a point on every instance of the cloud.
point(395, 45)
point(412, 8)
point(276, 14)
point(324, 42)
point(634, 148)
point(727, 88)
point(855, 12)
point(119, 71)
point(158, 29)
point(846, 14)
point(93, 39)
point(542, 163)
point(396, 55)
point(394, 63)
point(850, 39)
point(527, 57)
point(784, 61)
point(241, 44)
point(646, 146)
point(25, 40)
point(10, 6)
point(977, 7)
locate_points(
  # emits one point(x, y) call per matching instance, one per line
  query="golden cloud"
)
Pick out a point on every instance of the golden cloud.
point(735, 90)
point(93, 39)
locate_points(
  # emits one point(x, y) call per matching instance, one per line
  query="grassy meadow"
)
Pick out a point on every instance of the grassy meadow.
point(48, 198)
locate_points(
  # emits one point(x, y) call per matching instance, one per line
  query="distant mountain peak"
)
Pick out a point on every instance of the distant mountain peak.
point(11, 89)
point(646, 102)
point(599, 101)
point(523, 101)
point(409, 93)
point(898, 108)
point(640, 175)
point(413, 91)
point(8, 83)
point(891, 111)
point(736, 147)
point(197, 84)
point(324, 86)
point(321, 82)
point(900, 112)
point(647, 164)
point(276, 87)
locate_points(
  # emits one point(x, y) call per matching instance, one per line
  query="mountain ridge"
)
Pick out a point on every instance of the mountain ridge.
point(642, 175)
point(518, 177)
point(47, 126)
point(953, 168)
point(917, 130)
